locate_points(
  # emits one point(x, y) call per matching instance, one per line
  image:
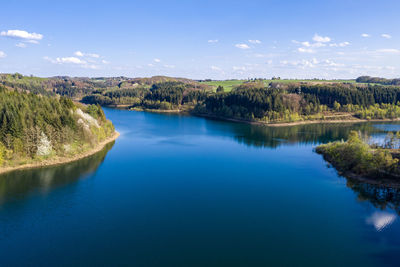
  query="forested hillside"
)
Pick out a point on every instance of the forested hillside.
point(36, 127)
point(166, 95)
point(252, 100)
point(300, 101)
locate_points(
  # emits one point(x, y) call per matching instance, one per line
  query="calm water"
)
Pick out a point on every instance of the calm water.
point(185, 191)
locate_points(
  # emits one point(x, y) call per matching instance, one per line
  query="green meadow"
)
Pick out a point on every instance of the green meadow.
point(230, 84)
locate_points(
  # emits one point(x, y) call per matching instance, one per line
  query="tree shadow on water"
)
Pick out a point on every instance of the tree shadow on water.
point(19, 184)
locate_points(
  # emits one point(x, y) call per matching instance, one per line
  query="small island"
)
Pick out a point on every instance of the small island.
point(37, 130)
point(358, 159)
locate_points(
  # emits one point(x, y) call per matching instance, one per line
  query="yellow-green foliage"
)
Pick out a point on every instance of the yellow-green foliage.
point(358, 157)
point(2, 153)
point(379, 111)
point(103, 132)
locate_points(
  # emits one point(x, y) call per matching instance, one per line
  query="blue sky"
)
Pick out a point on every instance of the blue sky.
point(201, 39)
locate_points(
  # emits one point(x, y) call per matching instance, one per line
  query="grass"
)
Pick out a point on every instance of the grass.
point(227, 84)
point(230, 84)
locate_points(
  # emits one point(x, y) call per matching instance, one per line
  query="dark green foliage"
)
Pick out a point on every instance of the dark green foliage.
point(96, 112)
point(97, 99)
point(171, 92)
point(220, 89)
point(24, 116)
point(369, 79)
point(327, 94)
point(27, 119)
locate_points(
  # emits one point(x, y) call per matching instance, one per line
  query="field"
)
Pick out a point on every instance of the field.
point(227, 84)
point(230, 84)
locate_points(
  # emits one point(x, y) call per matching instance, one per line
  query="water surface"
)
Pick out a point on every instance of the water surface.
point(184, 191)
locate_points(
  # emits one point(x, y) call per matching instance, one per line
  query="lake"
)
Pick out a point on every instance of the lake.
point(176, 190)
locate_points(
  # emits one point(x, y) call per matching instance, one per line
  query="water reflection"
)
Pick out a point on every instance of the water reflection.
point(380, 220)
point(273, 137)
point(382, 198)
point(19, 184)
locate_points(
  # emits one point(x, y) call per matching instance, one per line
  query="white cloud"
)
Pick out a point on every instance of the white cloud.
point(81, 54)
point(255, 41)
point(150, 65)
point(2, 54)
point(22, 34)
point(236, 68)
point(318, 44)
point(213, 41)
point(78, 53)
point(365, 35)
point(169, 66)
point(389, 50)
point(313, 63)
point(308, 44)
point(105, 62)
point(332, 64)
point(265, 55)
point(385, 35)
point(93, 55)
point(242, 46)
point(215, 68)
point(32, 41)
point(343, 44)
point(91, 66)
point(157, 60)
point(301, 64)
point(321, 39)
point(21, 45)
point(73, 60)
point(305, 50)
point(49, 59)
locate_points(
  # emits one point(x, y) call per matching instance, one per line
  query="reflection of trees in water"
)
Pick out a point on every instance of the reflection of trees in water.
point(19, 183)
point(263, 136)
point(380, 197)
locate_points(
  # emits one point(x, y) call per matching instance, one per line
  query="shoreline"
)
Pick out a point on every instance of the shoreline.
point(269, 124)
point(63, 160)
point(282, 124)
point(349, 175)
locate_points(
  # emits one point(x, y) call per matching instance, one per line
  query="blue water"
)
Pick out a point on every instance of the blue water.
point(176, 190)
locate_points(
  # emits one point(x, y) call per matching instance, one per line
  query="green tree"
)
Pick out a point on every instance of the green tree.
point(220, 89)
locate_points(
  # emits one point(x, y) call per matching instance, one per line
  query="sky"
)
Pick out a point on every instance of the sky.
point(330, 39)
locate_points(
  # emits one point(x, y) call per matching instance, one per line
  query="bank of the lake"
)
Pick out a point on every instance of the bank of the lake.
point(347, 120)
point(368, 163)
point(178, 190)
point(57, 160)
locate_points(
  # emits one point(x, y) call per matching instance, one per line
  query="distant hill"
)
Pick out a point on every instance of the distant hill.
point(78, 87)
point(377, 80)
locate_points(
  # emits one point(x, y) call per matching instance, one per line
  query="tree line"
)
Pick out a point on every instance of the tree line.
point(34, 125)
point(369, 79)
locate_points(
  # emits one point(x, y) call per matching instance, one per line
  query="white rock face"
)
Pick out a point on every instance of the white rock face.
point(44, 147)
point(86, 119)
